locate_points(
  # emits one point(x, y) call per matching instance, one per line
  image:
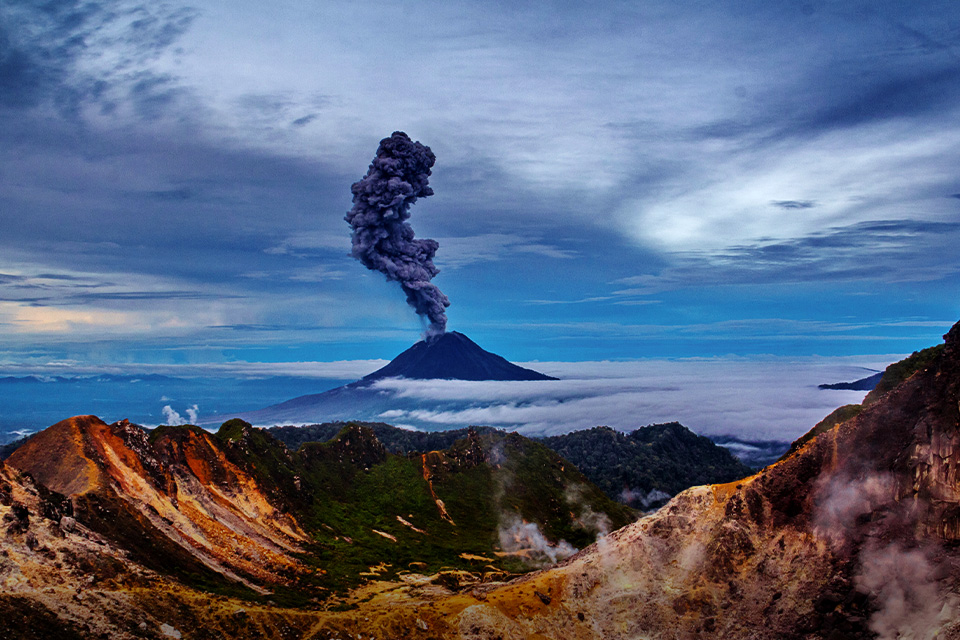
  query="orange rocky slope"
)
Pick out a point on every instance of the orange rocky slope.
point(178, 489)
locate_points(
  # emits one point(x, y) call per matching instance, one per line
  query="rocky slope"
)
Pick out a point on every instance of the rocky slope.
point(176, 503)
point(183, 517)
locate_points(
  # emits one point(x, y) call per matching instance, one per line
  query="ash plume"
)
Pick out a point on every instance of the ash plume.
point(383, 240)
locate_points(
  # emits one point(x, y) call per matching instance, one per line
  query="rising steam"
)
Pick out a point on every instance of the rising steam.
point(903, 584)
point(525, 539)
point(383, 240)
point(174, 419)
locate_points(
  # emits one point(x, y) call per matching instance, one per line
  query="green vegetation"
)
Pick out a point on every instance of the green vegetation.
point(900, 371)
point(266, 459)
point(395, 440)
point(352, 504)
point(373, 513)
point(171, 431)
point(837, 416)
point(665, 458)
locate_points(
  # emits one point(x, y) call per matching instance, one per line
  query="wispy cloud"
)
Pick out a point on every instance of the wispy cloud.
point(467, 250)
point(580, 301)
point(898, 250)
point(794, 204)
point(337, 370)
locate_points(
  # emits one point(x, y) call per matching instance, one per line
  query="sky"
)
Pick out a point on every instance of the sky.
point(614, 181)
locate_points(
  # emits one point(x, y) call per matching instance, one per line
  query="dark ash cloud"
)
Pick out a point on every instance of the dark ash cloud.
point(383, 240)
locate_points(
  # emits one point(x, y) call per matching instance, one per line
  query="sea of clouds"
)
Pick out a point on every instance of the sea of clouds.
point(751, 399)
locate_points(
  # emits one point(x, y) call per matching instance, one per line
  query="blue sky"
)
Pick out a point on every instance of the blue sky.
point(613, 181)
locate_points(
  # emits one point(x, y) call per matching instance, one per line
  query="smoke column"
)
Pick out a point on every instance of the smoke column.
point(383, 240)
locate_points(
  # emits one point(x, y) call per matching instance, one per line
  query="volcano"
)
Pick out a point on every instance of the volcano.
point(452, 356)
point(448, 356)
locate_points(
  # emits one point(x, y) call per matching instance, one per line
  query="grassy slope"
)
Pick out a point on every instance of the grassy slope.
point(395, 439)
point(344, 489)
point(893, 375)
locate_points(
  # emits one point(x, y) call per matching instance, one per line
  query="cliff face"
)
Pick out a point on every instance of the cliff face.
point(854, 534)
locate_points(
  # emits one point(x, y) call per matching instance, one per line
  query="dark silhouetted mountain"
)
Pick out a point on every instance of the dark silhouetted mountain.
point(105, 377)
point(7, 449)
point(863, 384)
point(396, 440)
point(649, 465)
point(452, 356)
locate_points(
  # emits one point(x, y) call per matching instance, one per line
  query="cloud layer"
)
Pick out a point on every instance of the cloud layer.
point(749, 399)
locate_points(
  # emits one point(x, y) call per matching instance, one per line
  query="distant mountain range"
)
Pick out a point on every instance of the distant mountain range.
point(642, 469)
point(105, 378)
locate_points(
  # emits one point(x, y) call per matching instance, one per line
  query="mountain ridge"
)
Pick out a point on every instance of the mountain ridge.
point(649, 465)
point(641, 469)
point(237, 512)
